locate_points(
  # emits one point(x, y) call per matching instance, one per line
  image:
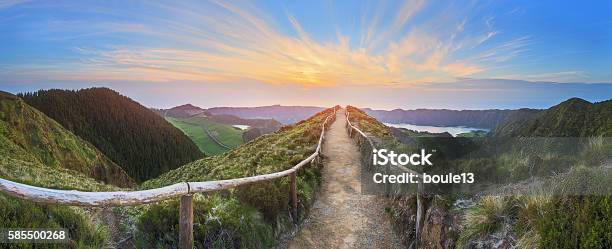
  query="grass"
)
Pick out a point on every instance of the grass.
point(192, 127)
point(17, 213)
point(596, 150)
point(577, 222)
point(269, 153)
point(552, 217)
point(36, 150)
point(218, 221)
point(227, 134)
point(36, 174)
point(367, 124)
point(29, 136)
point(250, 216)
point(532, 209)
point(487, 217)
point(476, 133)
point(573, 211)
point(528, 240)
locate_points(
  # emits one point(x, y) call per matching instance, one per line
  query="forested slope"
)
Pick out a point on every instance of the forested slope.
point(37, 150)
point(442, 117)
point(131, 135)
point(572, 118)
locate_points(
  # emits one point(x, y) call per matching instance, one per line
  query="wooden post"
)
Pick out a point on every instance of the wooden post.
point(294, 204)
point(387, 184)
point(186, 222)
point(419, 215)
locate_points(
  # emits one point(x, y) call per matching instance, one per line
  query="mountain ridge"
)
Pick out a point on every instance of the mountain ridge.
point(36, 148)
point(284, 114)
point(140, 141)
point(487, 119)
point(181, 111)
point(573, 117)
point(207, 130)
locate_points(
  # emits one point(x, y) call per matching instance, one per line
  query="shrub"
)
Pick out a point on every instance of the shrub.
point(270, 197)
point(17, 213)
point(487, 217)
point(532, 209)
point(577, 222)
point(528, 240)
point(582, 180)
point(595, 151)
point(267, 201)
point(219, 222)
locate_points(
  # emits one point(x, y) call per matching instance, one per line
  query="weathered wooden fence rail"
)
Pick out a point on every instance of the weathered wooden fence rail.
point(185, 190)
point(366, 146)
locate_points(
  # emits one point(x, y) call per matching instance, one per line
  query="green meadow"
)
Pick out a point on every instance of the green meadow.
point(194, 128)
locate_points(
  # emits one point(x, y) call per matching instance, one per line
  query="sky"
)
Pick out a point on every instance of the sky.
point(379, 54)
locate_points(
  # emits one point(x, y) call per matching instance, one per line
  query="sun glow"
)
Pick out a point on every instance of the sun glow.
point(223, 42)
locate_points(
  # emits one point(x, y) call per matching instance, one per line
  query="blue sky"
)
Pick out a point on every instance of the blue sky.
point(382, 54)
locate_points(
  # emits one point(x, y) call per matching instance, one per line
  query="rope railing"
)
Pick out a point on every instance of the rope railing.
point(185, 190)
point(367, 150)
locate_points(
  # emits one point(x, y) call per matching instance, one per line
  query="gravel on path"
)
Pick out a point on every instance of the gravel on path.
point(342, 217)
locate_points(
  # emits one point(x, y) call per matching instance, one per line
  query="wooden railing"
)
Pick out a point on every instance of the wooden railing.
point(185, 190)
point(367, 146)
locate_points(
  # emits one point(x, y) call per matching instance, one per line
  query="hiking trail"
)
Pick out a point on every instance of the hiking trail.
point(342, 217)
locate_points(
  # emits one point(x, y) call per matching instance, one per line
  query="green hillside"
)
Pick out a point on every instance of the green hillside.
point(368, 124)
point(270, 153)
point(195, 121)
point(249, 216)
point(36, 150)
point(194, 128)
point(443, 117)
point(131, 135)
point(534, 217)
point(572, 118)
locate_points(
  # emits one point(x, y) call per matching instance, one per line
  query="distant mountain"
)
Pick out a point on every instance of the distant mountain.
point(283, 114)
point(131, 135)
point(37, 150)
point(265, 125)
point(215, 134)
point(574, 117)
point(259, 206)
point(182, 111)
point(442, 117)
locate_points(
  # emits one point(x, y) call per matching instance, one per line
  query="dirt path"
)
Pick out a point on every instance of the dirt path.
point(342, 217)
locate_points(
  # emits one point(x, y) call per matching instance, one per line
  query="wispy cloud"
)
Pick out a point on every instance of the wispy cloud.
point(11, 3)
point(563, 76)
point(225, 42)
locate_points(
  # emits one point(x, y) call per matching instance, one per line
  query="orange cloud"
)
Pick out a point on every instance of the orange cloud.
point(228, 43)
